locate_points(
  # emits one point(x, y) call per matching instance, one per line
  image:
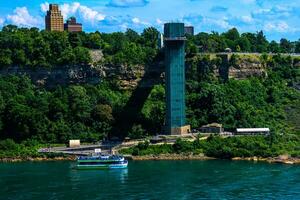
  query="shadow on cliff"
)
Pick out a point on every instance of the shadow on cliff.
point(131, 113)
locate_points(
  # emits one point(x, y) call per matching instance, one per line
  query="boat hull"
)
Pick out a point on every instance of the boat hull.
point(112, 166)
point(102, 162)
point(96, 165)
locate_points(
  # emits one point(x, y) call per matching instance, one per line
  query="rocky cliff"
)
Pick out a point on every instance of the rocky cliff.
point(129, 77)
point(245, 67)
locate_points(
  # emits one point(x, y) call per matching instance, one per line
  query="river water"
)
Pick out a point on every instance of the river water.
point(215, 179)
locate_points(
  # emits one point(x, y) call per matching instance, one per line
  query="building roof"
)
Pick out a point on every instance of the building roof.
point(212, 125)
point(241, 130)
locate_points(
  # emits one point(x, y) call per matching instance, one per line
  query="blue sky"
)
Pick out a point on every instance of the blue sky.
point(277, 18)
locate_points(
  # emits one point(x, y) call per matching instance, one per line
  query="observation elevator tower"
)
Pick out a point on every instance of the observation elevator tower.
point(174, 42)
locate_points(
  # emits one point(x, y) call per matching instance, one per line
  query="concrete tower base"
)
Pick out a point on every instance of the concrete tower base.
point(184, 130)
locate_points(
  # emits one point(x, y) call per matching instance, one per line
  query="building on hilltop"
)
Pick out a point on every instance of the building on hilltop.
point(72, 25)
point(189, 30)
point(174, 42)
point(54, 20)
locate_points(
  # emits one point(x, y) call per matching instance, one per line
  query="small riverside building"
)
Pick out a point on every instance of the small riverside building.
point(74, 143)
point(212, 128)
point(252, 131)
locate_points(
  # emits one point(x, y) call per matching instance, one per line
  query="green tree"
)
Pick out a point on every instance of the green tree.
point(79, 103)
point(82, 55)
point(2, 107)
point(68, 57)
point(94, 41)
point(59, 131)
point(137, 132)
point(261, 42)
point(285, 46)
point(150, 37)
point(244, 44)
point(19, 57)
point(154, 109)
point(75, 39)
point(132, 35)
point(232, 34)
point(103, 113)
point(5, 57)
point(274, 47)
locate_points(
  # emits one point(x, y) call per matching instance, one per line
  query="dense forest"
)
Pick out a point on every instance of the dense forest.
point(91, 112)
point(33, 48)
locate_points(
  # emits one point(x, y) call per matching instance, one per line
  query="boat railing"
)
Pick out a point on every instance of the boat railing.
point(113, 157)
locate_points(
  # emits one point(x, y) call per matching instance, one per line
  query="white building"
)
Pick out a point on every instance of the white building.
point(252, 131)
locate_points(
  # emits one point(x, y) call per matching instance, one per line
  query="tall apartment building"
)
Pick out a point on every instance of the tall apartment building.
point(72, 25)
point(54, 20)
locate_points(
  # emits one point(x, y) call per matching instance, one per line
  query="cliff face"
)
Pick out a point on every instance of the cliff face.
point(247, 67)
point(56, 76)
point(129, 77)
point(126, 76)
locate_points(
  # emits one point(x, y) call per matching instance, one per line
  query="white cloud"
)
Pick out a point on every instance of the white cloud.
point(206, 23)
point(276, 12)
point(249, 1)
point(247, 19)
point(84, 12)
point(89, 14)
point(159, 21)
point(277, 27)
point(128, 3)
point(136, 20)
point(124, 26)
point(21, 17)
point(242, 22)
point(222, 23)
point(44, 7)
point(1, 21)
point(117, 23)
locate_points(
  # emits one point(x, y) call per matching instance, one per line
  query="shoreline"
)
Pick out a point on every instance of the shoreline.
point(37, 159)
point(170, 157)
point(280, 159)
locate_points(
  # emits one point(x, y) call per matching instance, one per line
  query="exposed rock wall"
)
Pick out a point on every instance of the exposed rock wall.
point(56, 76)
point(129, 77)
point(240, 67)
point(245, 69)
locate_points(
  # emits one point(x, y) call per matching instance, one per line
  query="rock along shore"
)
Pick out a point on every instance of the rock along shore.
point(279, 159)
point(38, 159)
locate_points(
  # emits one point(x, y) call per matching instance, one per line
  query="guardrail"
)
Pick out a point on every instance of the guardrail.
point(247, 53)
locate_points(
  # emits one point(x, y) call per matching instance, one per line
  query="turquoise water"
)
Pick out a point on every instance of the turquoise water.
point(151, 180)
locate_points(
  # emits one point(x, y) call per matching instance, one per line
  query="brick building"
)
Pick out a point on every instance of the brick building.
point(54, 20)
point(72, 25)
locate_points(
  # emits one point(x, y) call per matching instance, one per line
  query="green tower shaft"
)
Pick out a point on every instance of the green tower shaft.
point(175, 77)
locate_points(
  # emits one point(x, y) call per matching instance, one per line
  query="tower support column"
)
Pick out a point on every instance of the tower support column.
point(174, 43)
